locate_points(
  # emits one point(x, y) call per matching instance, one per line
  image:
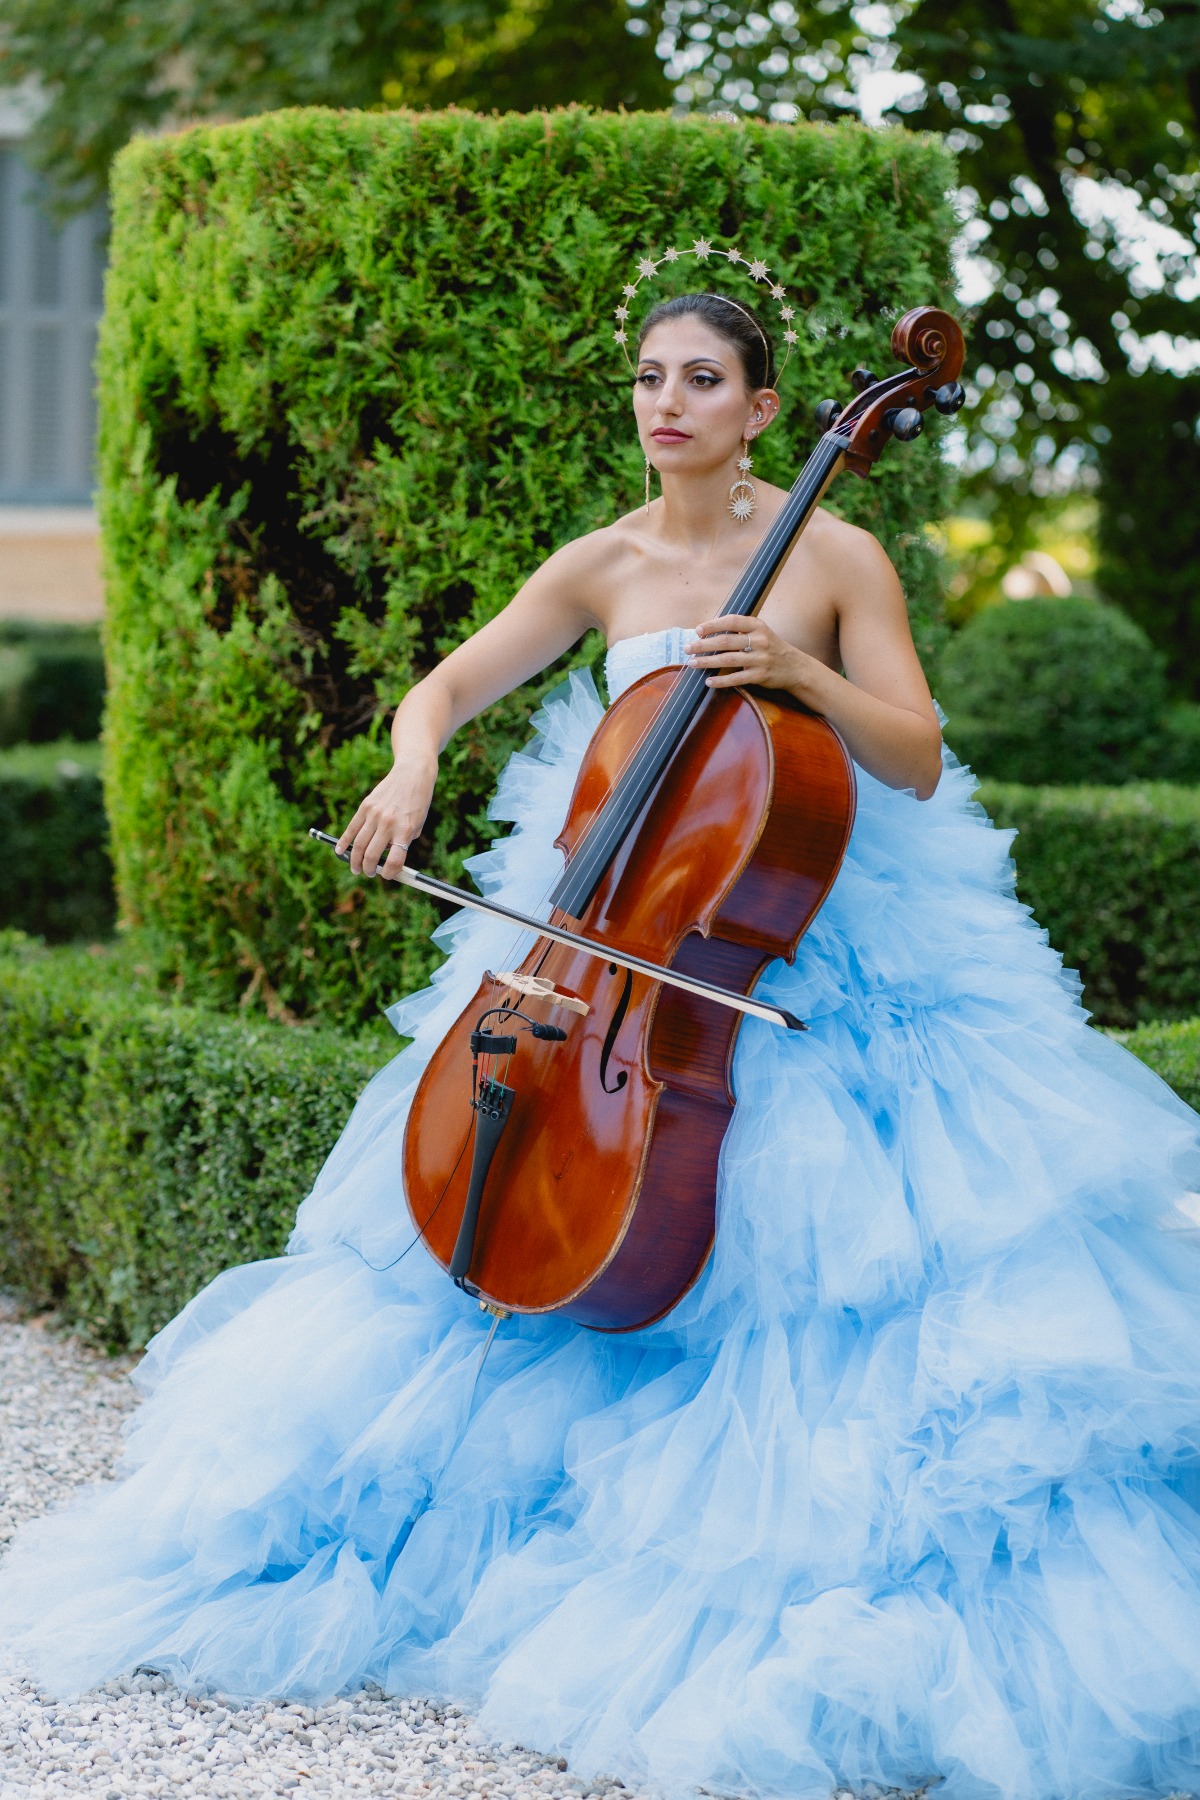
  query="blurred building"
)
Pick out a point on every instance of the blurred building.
point(51, 296)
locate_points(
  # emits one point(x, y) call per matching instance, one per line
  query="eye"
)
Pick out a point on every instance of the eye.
point(706, 379)
point(647, 379)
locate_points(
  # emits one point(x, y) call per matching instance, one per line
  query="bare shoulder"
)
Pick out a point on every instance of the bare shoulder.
point(852, 564)
point(594, 555)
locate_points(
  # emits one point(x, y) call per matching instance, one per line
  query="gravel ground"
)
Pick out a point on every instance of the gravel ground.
point(61, 1412)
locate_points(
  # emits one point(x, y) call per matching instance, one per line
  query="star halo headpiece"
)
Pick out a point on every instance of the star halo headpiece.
point(702, 250)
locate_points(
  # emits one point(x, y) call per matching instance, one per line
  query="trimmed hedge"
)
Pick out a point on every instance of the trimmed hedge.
point(1113, 873)
point(357, 379)
point(55, 872)
point(1063, 691)
point(51, 683)
point(145, 1146)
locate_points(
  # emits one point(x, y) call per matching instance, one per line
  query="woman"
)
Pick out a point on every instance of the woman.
point(905, 1488)
point(702, 394)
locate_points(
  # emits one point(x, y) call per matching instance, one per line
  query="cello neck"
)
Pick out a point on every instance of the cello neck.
point(758, 577)
point(603, 838)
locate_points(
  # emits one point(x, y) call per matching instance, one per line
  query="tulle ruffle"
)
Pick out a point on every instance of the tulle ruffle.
point(906, 1487)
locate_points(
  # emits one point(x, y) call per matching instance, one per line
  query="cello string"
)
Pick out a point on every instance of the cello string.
point(663, 731)
point(680, 704)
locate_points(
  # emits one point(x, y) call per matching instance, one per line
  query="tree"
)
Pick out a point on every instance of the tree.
point(1077, 125)
point(108, 68)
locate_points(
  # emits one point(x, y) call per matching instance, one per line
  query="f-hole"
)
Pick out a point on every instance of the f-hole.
point(610, 1037)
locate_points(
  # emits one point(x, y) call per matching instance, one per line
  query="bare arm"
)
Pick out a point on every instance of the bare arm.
point(882, 705)
point(544, 619)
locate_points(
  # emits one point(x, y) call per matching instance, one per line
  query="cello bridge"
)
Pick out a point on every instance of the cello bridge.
point(540, 987)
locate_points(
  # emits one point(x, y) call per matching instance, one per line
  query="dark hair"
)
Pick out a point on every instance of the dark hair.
point(734, 320)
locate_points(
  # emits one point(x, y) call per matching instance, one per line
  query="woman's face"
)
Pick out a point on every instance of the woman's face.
point(691, 401)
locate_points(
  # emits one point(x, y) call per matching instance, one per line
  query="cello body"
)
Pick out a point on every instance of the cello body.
point(599, 1202)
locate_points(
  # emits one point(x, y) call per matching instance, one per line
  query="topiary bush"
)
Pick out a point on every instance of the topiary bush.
point(1113, 874)
point(55, 872)
point(144, 1147)
point(357, 379)
point(51, 683)
point(1059, 691)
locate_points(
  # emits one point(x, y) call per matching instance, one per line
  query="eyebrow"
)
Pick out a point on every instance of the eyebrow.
point(691, 363)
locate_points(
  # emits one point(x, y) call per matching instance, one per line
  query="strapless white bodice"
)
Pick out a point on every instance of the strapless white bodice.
point(631, 658)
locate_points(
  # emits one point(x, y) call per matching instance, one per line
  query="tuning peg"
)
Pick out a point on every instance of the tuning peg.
point(827, 415)
point(861, 379)
point(948, 399)
point(906, 424)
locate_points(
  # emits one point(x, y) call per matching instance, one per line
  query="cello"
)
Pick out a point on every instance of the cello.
point(561, 1149)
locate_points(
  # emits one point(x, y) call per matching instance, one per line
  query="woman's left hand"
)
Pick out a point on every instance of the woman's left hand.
point(738, 652)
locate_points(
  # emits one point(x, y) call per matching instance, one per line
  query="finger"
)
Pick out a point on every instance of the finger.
point(725, 640)
point(726, 644)
point(351, 832)
point(396, 856)
point(721, 659)
point(728, 622)
point(377, 850)
point(358, 847)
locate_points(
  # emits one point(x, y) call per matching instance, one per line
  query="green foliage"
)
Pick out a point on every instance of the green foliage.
point(1062, 691)
point(357, 380)
point(145, 1147)
point(51, 683)
point(109, 71)
point(55, 873)
point(1114, 876)
point(1087, 285)
point(1032, 95)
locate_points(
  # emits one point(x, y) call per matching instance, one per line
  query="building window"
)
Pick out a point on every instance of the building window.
point(51, 295)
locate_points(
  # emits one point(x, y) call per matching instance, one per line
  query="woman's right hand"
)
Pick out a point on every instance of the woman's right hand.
point(388, 820)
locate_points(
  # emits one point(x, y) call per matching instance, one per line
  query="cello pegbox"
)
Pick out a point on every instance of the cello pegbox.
point(931, 343)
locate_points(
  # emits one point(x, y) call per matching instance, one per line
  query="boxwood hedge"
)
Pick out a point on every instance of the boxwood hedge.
point(51, 682)
point(145, 1146)
point(1113, 873)
point(55, 871)
point(357, 379)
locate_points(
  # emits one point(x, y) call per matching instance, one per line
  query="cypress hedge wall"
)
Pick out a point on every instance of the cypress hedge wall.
point(357, 379)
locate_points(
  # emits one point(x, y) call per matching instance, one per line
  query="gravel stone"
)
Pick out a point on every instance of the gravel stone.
point(62, 1408)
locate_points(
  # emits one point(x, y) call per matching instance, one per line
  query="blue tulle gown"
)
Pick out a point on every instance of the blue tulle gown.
point(905, 1488)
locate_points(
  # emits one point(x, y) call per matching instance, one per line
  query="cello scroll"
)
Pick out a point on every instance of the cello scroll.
point(931, 342)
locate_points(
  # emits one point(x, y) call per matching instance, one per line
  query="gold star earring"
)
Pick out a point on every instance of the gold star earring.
point(743, 495)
